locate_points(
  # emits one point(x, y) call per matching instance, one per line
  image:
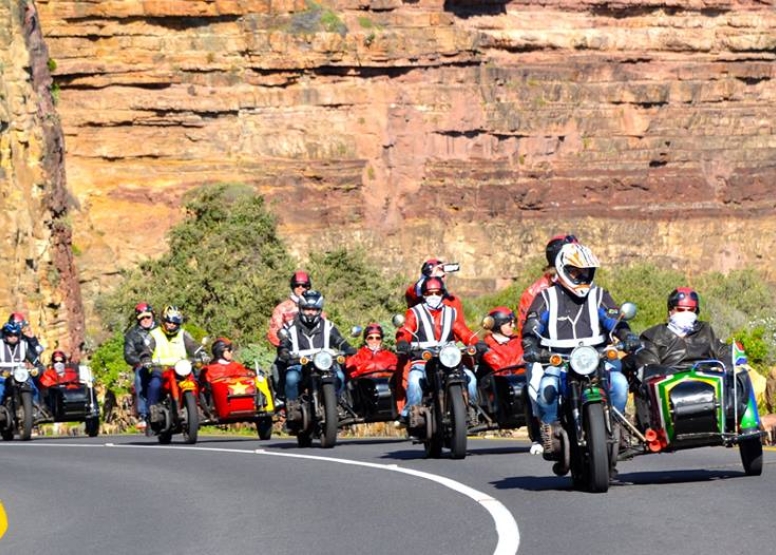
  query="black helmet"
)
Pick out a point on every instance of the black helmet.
point(498, 317)
point(220, 345)
point(684, 298)
point(310, 299)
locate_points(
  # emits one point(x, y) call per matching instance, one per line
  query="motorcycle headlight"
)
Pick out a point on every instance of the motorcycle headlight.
point(584, 360)
point(183, 368)
point(21, 374)
point(450, 356)
point(323, 360)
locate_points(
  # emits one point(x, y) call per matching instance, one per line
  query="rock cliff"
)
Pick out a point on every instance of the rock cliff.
point(467, 129)
point(40, 277)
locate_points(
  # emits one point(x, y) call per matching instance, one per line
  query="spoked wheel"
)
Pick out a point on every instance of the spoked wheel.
point(191, 423)
point(329, 436)
point(24, 414)
point(457, 422)
point(751, 451)
point(597, 448)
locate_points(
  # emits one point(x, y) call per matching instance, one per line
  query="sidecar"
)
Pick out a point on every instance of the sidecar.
point(73, 400)
point(503, 402)
point(369, 398)
point(233, 399)
point(702, 405)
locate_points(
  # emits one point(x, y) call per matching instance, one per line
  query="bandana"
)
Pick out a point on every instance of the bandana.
point(682, 323)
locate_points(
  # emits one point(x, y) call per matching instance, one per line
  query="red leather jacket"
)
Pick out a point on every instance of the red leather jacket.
point(217, 370)
point(51, 378)
point(366, 361)
point(501, 356)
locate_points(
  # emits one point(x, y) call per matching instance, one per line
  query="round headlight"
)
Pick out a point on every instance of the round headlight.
point(584, 360)
point(183, 368)
point(450, 356)
point(21, 374)
point(323, 360)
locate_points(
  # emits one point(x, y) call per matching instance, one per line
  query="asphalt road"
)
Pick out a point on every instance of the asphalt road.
point(127, 494)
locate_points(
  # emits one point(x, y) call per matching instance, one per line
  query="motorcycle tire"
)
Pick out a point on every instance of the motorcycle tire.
point(191, 423)
point(304, 439)
point(751, 451)
point(457, 422)
point(329, 435)
point(24, 413)
point(92, 426)
point(597, 449)
point(264, 428)
point(433, 445)
point(7, 434)
point(165, 438)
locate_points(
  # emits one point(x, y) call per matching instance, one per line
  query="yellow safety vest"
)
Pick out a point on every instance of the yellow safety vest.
point(167, 351)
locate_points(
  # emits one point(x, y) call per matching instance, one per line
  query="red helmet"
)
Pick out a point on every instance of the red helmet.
point(300, 278)
point(373, 328)
point(431, 284)
point(58, 356)
point(684, 297)
point(18, 318)
point(501, 315)
point(142, 310)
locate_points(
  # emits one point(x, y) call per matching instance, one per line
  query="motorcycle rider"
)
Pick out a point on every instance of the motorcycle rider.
point(680, 341)
point(60, 372)
point(571, 312)
point(223, 365)
point(310, 331)
point(432, 322)
point(282, 316)
point(136, 341)
point(168, 343)
point(536, 371)
point(27, 335)
point(432, 267)
point(372, 357)
point(505, 351)
point(13, 351)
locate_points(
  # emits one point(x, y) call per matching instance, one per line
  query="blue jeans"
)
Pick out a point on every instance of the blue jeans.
point(294, 376)
point(553, 385)
point(153, 378)
point(417, 378)
point(34, 386)
point(142, 406)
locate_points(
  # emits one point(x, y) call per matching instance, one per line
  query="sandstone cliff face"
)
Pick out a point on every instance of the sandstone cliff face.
point(466, 129)
point(40, 278)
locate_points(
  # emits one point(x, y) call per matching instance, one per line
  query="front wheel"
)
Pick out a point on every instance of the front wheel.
point(191, 424)
point(329, 437)
point(751, 451)
point(24, 414)
point(597, 448)
point(457, 422)
point(92, 426)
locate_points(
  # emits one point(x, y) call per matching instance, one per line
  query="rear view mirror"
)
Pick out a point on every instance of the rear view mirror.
point(398, 320)
point(628, 311)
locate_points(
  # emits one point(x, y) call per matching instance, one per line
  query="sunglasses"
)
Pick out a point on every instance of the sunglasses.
point(146, 317)
point(684, 309)
point(56, 361)
point(227, 348)
point(372, 337)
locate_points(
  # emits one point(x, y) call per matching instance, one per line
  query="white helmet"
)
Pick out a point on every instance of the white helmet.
point(575, 266)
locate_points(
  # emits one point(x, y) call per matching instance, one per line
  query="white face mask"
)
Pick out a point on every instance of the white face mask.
point(434, 301)
point(59, 367)
point(682, 322)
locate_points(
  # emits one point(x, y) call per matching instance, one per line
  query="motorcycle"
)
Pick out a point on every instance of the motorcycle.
point(234, 399)
point(586, 441)
point(315, 413)
point(709, 403)
point(16, 410)
point(178, 405)
point(440, 420)
point(73, 399)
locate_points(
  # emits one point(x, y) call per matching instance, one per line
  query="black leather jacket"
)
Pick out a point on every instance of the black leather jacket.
point(136, 342)
point(665, 348)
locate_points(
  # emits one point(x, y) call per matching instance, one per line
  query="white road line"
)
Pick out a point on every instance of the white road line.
point(506, 526)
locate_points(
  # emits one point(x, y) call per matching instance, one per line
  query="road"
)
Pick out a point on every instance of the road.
point(127, 494)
